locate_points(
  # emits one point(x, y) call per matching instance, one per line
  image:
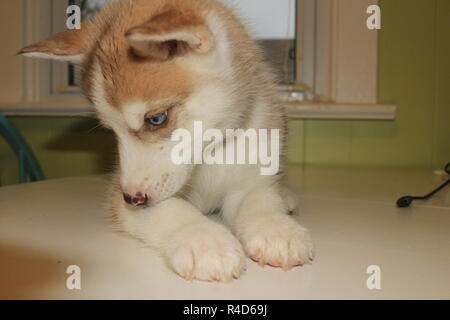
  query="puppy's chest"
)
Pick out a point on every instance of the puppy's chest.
point(209, 185)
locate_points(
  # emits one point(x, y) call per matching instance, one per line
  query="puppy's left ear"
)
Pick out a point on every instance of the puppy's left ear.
point(170, 34)
point(70, 46)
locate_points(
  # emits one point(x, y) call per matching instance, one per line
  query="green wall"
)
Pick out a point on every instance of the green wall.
point(414, 73)
point(64, 147)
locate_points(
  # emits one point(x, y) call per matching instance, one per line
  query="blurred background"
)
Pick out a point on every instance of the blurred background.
point(404, 66)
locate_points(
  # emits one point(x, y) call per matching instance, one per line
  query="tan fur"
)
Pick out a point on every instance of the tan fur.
point(127, 76)
point(68, 43)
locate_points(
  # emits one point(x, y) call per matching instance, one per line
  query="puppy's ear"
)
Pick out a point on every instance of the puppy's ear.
point(170, 34)
point(70, 46)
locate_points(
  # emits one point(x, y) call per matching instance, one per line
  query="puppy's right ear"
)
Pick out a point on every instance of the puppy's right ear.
point(70, 46)
point(170, 33)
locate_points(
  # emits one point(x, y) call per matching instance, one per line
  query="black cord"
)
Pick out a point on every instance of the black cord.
point(406, 201)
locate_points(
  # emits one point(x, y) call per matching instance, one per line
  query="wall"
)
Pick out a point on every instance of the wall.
point(64, 147)
point(11, 37)
point(414, 73)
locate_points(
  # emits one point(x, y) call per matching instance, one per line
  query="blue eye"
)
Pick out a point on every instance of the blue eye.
point(159, 119)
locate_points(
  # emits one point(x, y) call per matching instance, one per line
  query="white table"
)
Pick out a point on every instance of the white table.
point(47, 226)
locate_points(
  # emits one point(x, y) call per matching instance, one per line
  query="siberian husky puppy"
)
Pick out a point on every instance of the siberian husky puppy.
point(151, 67)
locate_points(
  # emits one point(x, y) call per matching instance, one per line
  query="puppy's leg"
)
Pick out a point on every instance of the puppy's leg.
point(268, 234)
point(194, 246)
point(290, 200)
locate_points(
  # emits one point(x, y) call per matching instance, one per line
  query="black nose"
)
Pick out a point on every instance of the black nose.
point(138, 200)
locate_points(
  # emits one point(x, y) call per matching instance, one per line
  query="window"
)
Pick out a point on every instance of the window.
point(89, 8)
point(324, 54)
point(278, 38)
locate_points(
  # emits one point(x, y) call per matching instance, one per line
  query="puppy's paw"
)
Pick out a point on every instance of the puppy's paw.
point(207, 252)
point(278, 241)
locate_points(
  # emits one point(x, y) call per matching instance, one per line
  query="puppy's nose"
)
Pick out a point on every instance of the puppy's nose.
point(137, 200)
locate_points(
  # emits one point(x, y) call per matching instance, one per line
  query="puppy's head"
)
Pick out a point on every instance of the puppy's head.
point(150, 67)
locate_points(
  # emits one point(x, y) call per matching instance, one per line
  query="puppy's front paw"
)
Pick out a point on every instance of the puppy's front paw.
point(278, 241)
point(207, 252)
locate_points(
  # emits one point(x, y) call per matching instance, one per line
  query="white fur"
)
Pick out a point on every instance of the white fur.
point(134, 113)
point(75, 59)
point(180, 35)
